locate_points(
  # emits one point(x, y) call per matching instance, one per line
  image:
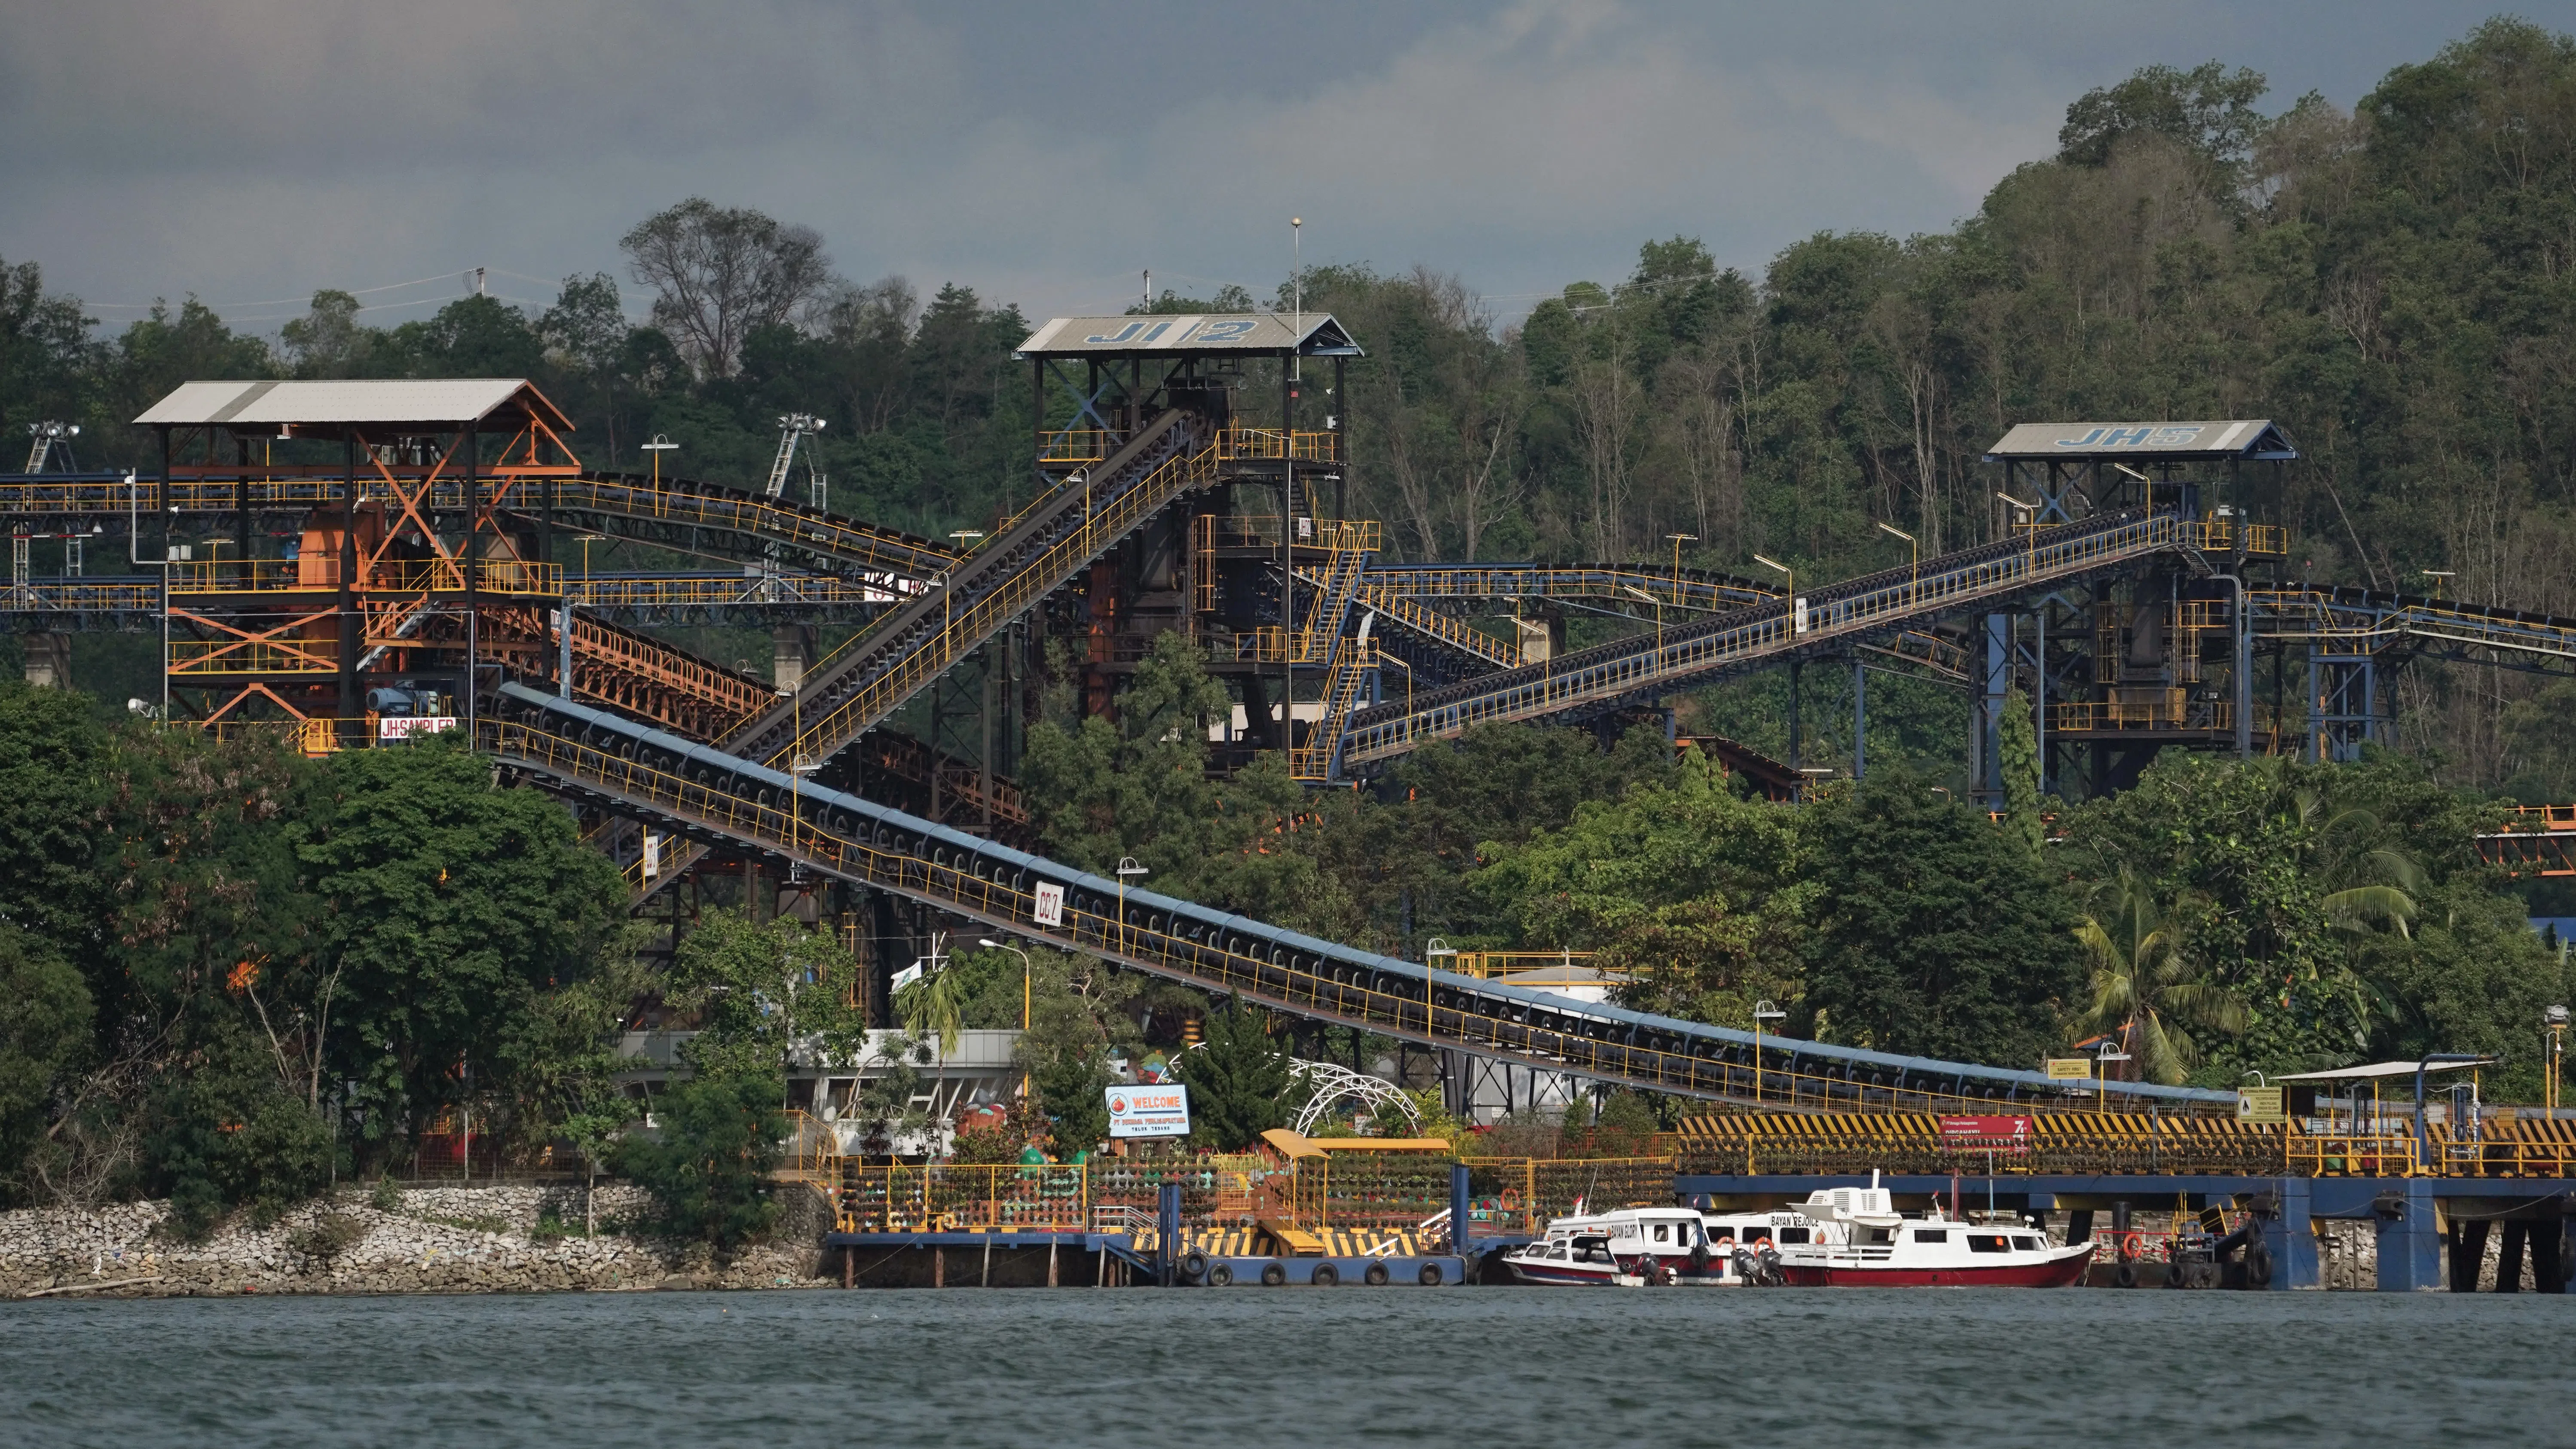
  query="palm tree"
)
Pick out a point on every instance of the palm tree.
point(2375, 884)
point(932, 1008)
point(2145, 988)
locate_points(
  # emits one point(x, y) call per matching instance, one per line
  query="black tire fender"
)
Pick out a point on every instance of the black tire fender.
point(1273, 1273)
point(1430, 1276)
point(1327, 1276)
point(1375, 1275)
point(1220, 1275)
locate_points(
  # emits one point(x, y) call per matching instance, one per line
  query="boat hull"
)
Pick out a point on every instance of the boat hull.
point(2061, 1272)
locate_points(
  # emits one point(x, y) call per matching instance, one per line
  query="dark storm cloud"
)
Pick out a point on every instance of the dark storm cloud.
point(255, 150)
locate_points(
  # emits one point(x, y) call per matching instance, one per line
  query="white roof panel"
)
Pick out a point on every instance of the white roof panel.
point(2225, 438)
point(1314, 334)
point(2376, 1070)
point(343, 402)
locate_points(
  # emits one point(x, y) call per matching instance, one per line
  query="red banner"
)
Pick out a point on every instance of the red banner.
point(1992, 1134)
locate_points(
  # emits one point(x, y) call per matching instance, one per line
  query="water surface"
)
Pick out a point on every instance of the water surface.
point(1142, 1369)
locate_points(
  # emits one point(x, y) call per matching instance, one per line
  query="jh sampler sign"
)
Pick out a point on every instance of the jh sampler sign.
point(1156, 1111)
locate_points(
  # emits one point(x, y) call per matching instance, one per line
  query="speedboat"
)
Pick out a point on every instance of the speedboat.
point(1858, 1239)
point(1624, 1248)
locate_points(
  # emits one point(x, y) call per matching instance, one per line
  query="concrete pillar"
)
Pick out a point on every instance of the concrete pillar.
point(2509, 1257)
point(2549, 1256)
point(2291, 1236)
point(2410, 1240)
point(791, 654)
point(49, 661)
point(2467, 1242)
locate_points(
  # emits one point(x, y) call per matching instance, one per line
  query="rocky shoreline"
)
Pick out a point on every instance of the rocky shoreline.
point(433, 1240)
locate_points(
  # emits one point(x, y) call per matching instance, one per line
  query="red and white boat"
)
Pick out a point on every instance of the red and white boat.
point(1859, 1240)
point(1842, 1237)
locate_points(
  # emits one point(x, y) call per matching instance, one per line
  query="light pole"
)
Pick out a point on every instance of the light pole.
point(1914, 588)
point(657, 448)
point(1386, 658)
point(2029, 521)
point(2437, 576)
point(966, 539)
point(2108, 1052)
point(1762, 1011)
point(1127, 866)
point(1433, 947)
point(1677, 540)
point(2557, 1051)
point(1026, 973)
point(563, 630)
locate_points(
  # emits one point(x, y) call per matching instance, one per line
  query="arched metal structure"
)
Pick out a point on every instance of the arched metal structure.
point(1336, 1084)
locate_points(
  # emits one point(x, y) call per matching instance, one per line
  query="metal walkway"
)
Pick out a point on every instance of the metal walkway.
point(1862, 611)
point(715, 797)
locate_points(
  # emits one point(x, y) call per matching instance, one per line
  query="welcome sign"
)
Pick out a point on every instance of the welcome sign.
point(1153, 1111)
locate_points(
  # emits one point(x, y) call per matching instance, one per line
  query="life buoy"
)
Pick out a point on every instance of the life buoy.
point(2133, 1244)
point(1762, 1245)
point(1726, 1244)
point(1510, 1201)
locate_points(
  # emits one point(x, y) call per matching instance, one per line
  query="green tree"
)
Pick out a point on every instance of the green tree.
point(45, 1025)
point(1936, 933)
point(1238, 1079)
point(2145, 988)
point(766, 993)
point(2017, 751)
point(447, 906)
point(707, 1164)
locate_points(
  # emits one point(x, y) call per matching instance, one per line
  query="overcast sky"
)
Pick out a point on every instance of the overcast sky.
point(251, 151)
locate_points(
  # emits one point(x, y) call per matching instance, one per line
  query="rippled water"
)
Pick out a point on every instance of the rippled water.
point(1154, 1370)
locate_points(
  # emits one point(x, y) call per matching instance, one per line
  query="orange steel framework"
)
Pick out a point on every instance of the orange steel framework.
point(375, 591)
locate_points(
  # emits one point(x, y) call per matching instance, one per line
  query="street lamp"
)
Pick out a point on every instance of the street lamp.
point(2557, 1051)
point(1386, 658)
point(1762, 1011)
point(966, 538)
point(1026, 972)
point(1791, 575)
point(1914, 589)
point(1127, 866)
point(657, 448)
point(1433, 947)
point(1677, 540)
point(2108, 1053)
point(2437, 575)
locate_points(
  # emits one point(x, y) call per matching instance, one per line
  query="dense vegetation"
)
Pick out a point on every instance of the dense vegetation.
point(230, 975)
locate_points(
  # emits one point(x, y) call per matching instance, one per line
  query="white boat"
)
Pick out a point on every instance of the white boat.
point(1859, 1240)
point(1839, 1237)
point(1645, 1247)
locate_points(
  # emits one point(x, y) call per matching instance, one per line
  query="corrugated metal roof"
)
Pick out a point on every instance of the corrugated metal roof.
point(1312, 334)
point(2377, 1070)
point(2234, 438)
point(351, 401)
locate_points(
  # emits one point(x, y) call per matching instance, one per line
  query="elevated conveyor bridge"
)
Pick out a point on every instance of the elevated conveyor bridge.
point(718, 798)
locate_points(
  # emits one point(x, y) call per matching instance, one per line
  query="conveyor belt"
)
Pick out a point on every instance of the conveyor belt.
point(712, 796)
point(1838, 616)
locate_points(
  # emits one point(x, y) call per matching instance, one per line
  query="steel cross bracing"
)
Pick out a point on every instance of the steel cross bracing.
point(714, 797)
point(1839, 617)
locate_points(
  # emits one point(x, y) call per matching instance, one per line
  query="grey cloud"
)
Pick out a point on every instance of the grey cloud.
point(261, 148)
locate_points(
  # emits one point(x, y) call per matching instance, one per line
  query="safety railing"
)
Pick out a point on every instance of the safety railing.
point(963, 629)
point(667, 511)
point(948, 1197)
point(229, 576)
point(1454, 634)
point(2364, 620)
point(1687, 589)
point(1272, 443)
point(644, 674)
point(2505, 1146)
point(1487, 965)
point(1673, 657)
point(1253, 530)
point(2262, 540)
point(2351, 1154)
point(76, 596)
point(1269, 644)
point(1075, 445)
point(191, 658)
point(713, 591)
point(1433, 1011)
